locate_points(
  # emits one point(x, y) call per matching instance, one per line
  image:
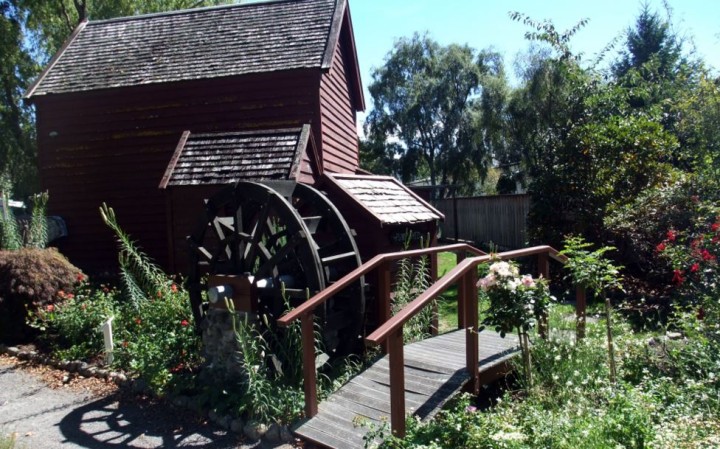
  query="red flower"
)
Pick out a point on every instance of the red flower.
point(678, 277)
point(124, 344)
point(697, 242)
point(50, 308)
point(184, 323)
point(174, 288)
point(695, 267)
point(138, 321)
point(707, 256)
point(661, 247)
point(70, 296)
point(715, 227)
point(80, 277)
point(671, 235)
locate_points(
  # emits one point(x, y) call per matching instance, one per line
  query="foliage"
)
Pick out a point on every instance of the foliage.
point(594, 272)
point(70, 327)
point(425, 97)
point(8, 441)
point(31, 279)
point(37, 235)
point(693, 254)
point(515, 303)
point(412, 279)
point(666, 397)
point(142, 279)
point(10, 237)
point(268, 395)
point(156, 339)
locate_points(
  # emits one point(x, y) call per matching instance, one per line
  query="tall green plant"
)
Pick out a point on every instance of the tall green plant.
point(413, 278)
point(10, 238)
point(37, 236)
point(141, 278)
point(593, 271)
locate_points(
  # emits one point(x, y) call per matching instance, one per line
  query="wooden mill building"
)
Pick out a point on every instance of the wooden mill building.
point(271, 89)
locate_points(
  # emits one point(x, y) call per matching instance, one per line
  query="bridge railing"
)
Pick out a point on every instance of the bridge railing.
point(381, 265)
point(389, 334)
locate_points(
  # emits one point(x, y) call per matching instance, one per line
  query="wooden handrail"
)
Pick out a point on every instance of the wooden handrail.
point(414, 307)
point(321, 297)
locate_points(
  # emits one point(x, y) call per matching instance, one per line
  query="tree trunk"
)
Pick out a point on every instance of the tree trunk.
point(611, 348)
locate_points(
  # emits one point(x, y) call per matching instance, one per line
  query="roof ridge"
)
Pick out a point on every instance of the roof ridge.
point(190, 11)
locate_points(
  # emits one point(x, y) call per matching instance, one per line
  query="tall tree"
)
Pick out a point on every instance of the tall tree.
point(31, 31)
point(650, 41)
point(426, 98)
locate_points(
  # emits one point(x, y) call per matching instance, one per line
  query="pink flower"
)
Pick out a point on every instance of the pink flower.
point(184, 323)
point(671, 235)
point(695, 267)
point(487, 282)
point(174, 288)
point(661, 247)
point(50, 308)
point(528, 281)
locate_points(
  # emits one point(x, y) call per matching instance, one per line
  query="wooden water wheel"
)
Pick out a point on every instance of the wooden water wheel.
point(285, 241)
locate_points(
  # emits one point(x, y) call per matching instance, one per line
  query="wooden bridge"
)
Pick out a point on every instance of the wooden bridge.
point(419, 377)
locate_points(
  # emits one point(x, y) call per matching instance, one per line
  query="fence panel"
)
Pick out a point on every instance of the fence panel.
point(499, 219)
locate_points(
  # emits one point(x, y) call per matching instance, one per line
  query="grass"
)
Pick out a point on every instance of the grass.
point(7, 441)
point(447, 305)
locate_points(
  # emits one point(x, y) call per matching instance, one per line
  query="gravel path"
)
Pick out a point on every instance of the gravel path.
point(45, 418)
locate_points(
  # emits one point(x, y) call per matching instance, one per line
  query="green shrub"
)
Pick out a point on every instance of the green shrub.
point(31, 279)
point(71, 328)
point(156, 339)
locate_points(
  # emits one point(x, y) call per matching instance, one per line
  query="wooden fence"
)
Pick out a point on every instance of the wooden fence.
point(499, 219)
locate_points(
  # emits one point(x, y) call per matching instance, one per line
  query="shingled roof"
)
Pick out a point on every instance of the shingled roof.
point(225, 158)
point(386, 199)
point(195, 44)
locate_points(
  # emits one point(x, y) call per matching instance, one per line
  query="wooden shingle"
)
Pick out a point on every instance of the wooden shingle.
point(193, 44)
point(386, 198)
point(225, 158)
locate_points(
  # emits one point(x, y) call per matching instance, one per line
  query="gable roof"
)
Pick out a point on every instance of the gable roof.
point(225, 158)
point(385, 198)
point(195, 44)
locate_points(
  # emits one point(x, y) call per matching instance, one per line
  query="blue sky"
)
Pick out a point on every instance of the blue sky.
point(482, 24)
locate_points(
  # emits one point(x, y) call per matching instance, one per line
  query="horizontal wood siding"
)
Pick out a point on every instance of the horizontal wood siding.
point(340, 141)
point(500, 220)
point(114, 146)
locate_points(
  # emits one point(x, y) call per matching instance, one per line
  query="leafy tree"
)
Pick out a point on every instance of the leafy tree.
point(426, 96)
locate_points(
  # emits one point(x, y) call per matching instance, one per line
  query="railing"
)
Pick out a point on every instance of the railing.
point(382, 263)
point(390, 330)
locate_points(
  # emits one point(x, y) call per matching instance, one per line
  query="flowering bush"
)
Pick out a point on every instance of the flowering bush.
point(693, 254)
point(515, 302)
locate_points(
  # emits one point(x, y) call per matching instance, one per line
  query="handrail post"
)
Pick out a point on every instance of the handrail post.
point(462, 305)
point(580, 312)
point(397, 382)
point(384, 304)
point(471, 330)
point(435, 322)
point(307, 328)
point(544, 271)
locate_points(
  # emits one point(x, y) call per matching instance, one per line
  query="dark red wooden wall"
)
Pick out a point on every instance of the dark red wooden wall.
point(114, 146)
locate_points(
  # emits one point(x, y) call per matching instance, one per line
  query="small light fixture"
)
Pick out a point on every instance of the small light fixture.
point(53, 134)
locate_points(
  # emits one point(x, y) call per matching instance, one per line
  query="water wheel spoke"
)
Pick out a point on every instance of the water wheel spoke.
point(274, 261)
